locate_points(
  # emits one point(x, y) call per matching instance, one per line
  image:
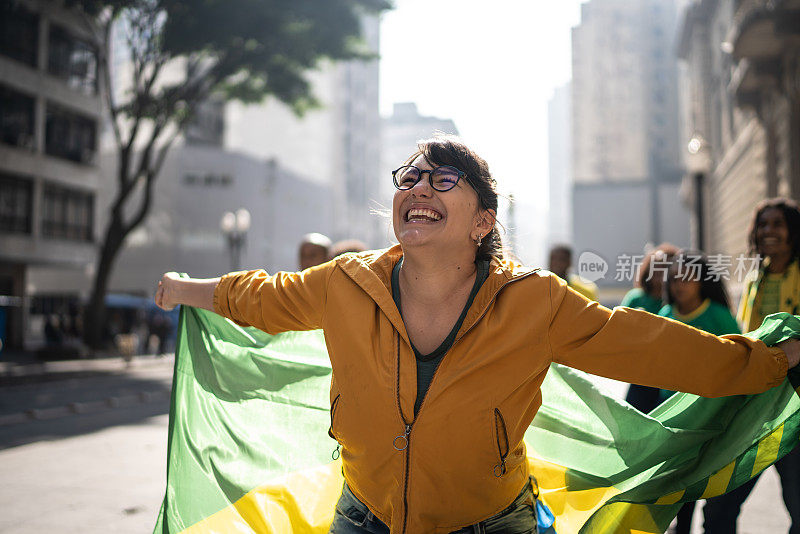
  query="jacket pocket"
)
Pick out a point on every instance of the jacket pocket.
point(334, 405)
point(501, 440)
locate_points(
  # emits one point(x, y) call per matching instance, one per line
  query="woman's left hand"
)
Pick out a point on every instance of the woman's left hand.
point(792, 350)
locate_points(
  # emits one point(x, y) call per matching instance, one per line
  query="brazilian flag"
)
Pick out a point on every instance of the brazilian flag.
point(249, 451)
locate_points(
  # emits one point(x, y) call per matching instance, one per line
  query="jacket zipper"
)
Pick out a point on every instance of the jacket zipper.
point(402, 442)
point(501, 437)
point(335, 455)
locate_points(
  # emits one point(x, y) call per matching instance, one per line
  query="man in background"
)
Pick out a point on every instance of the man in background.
point(314, 250)
point(560, 263)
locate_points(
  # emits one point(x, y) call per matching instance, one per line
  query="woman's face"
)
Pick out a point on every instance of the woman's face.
point(685, 288)
point(772, 233)
point(423, 216)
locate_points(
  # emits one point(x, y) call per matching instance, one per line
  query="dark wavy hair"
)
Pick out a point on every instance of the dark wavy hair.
point(791, 214)
point(451, 150)
point(644, 277)
point(710, 287)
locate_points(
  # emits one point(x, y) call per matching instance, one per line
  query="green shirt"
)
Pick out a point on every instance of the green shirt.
point(427, 364)
point(638, 298)
point(711, 316)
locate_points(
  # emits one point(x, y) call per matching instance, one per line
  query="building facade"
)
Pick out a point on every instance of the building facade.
point(50, 112)
point(197, 186)
point(626, 161)
point(742, 60)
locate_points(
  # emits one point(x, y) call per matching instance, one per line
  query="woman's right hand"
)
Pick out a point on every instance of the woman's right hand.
point(167, 292)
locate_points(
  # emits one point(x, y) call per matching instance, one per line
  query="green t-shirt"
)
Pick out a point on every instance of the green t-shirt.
point(638, 298)
point(711, 316)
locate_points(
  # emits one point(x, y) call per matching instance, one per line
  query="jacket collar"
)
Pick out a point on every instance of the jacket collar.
point(372, 271)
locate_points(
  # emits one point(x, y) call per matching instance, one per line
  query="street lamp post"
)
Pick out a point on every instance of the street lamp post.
point(699, 166)
point(234, 226)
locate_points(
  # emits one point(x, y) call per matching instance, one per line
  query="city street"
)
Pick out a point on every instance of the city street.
point(103, 469)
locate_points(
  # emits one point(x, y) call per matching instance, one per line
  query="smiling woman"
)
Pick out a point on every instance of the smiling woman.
point(773, 287)
point(439, 358)
point(460, 193)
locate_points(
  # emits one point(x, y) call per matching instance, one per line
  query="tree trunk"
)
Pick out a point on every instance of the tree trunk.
point(95, 316)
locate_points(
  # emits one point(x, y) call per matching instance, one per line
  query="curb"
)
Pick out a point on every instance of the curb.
point(84, 408)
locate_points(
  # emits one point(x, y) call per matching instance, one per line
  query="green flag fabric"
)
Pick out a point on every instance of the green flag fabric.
point(248, 447)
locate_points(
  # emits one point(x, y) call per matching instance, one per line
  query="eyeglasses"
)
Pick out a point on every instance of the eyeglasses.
point(443, 178)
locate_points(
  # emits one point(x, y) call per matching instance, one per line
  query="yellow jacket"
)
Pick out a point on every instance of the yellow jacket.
point(462, 459)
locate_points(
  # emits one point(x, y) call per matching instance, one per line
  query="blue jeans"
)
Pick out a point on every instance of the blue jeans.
point(353, 517)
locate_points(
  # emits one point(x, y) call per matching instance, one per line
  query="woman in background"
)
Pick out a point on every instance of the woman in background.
point(697, 297)
point(773, 287)
point(647, 295)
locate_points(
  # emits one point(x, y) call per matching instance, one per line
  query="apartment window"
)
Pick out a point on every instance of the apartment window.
point(69, 135)
point(16, 118)
point(67, 213)
point(19, 29)
point(207, 126)
point(73, 60)
point(208, 180)
point(16, 204)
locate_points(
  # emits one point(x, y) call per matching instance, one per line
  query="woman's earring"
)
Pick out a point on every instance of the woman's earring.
point(479, 239)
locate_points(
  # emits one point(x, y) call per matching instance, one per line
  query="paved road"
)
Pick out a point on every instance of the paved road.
point(111, 480)
point(104, 470)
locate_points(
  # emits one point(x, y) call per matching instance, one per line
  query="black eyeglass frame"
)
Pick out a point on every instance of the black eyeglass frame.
point(459, 173)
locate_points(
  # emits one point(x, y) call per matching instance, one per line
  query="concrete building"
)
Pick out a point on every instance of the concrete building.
point(626, 162)
point(559, 215)
point(198, 184)
point(742, 61)
point(50, 105)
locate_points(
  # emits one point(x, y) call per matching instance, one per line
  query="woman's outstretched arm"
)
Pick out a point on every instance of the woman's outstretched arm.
point(273, 303)
point(637, 347)
point(174, 290)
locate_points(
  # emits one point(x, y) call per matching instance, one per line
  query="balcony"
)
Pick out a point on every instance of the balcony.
point(761, 28)
point(751, 77)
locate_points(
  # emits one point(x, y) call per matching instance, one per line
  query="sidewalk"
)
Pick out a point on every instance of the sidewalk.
point(52, 390)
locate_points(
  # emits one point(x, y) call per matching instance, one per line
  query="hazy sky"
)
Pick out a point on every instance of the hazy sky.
point(490, 69)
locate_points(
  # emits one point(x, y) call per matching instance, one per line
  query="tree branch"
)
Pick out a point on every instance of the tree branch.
point(109, 89)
